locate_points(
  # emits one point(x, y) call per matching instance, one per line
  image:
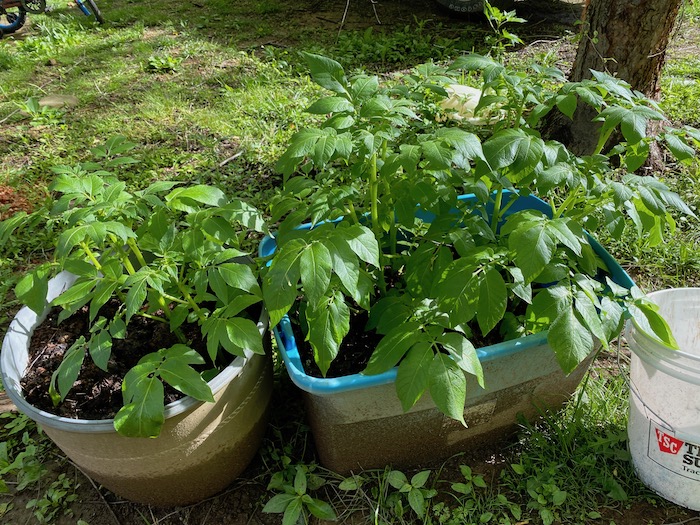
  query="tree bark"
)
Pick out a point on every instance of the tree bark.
point(625, 38)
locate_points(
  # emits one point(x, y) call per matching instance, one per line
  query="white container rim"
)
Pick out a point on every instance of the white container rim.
point(660, 350)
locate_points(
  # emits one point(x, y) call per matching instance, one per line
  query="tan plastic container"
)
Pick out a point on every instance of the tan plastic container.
point(202, 448)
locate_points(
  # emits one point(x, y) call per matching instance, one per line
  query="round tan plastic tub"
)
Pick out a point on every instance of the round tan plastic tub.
point(202, 447)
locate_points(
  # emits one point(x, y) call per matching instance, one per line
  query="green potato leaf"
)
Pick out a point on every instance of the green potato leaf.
point(571, 341)
point(413, 375)
point(448, 387)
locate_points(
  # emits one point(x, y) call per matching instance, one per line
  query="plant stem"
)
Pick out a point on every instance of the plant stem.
point(174, 299)
point(164, 306)
point(137, 253)
point(392, 214)
point(153, 317)
point(521, 107)
point(601, 141)
point(127, 263)
point(350, 209)
point(91, 255)
point(167, 314)
point(507, 205)
point(566, 205)
point(519, 115)
point(496, 216)
point(393, 231)
point(123, 255)
point(191, 302)
point(374, 215)
point(374, 194)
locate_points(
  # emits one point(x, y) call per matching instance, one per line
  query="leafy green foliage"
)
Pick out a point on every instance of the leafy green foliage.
point(414, 491)
point(162, 64)
point(416, 42)
point(170, 253)
point(22, 453)
point(576, 453)
point(57, 499)
point(474, 503)
point(501, 38)
point(41, 115)
point(295, 503)
point(50, 39)
point(471, 481)
point(30, 466)
point(379, 182)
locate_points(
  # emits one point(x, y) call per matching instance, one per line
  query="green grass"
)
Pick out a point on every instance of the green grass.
point(681, 89)
point(211, 92)
point(576, 463)
point(215, 95)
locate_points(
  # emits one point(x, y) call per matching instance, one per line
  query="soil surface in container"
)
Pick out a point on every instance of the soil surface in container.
point(97, 393)
point(354, 353)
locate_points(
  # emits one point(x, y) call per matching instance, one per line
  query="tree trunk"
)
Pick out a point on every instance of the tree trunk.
point(625, 38)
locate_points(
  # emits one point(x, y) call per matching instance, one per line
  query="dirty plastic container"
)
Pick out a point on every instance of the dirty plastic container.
point(664, 422)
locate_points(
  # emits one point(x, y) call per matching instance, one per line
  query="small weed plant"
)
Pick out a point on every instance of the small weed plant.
point(393, 496)
point(56, 500)
point(50, 37)
point(24, 454)
point(571, 467)
point(474, 502)
point(500, 39)
point(23, 451)
point(163, 64)
point(42, 115)
point(574, 457)
point(413, 492)
point(295, 502)
point(415, 42)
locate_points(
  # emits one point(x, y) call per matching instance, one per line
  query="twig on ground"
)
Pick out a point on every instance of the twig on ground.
point(9, 116)
point(162, 518)
point(206, 516)
point(541, 41)
point(694, 518)
point(232, 157)
point(250, 519)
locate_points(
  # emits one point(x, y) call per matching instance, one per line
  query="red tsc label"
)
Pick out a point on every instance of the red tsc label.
point(668, 443)
point(676, 455)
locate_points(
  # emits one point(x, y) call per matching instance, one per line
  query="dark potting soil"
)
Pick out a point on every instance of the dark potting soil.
point(96, 394)
point(354, 353)
point(357, 347)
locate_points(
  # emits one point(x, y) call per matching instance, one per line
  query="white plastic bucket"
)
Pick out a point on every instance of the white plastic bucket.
point(664, 422)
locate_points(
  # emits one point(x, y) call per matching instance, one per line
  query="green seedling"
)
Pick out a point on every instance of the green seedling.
point(295, 503)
